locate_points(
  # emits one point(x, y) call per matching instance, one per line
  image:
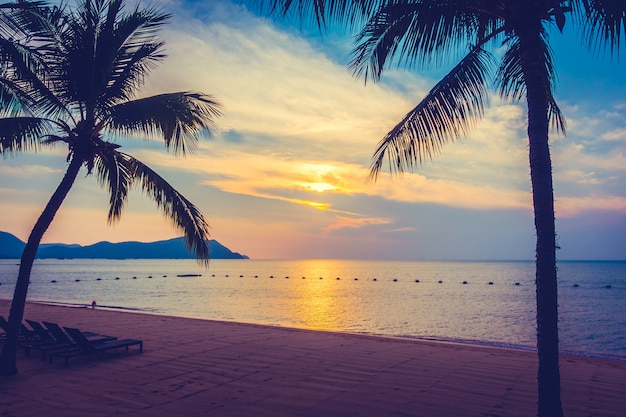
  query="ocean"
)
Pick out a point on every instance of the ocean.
point(489, 303)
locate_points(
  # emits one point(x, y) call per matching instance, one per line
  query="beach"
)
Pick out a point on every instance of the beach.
point(198, 367)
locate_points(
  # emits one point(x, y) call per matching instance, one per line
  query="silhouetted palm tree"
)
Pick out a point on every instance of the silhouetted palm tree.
point(422, 32)
point(70, 77)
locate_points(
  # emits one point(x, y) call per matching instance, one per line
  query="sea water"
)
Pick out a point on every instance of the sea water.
point(490, 303)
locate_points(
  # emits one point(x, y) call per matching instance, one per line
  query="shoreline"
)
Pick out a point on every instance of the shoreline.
point(463, 342)
point(198, 367)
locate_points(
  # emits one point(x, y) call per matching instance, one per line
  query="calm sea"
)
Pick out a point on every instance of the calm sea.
point(489, 303)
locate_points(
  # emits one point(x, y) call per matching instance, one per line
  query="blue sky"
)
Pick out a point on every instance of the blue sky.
point(284, 176)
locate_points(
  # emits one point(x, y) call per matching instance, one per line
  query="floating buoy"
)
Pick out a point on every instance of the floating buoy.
point(303, 277)
point(164, 276)
point(440, 282)
point(356, 279)
point(226, 275)
point(517, 284)
point(490, 283)
point(608, 287)
point(374, 279)
point(395, 280)
point(98, 279)
point(134, 277)
point(464, 282)
point(149, 276)
point(575, 285)
point(76, 280)
point(337, 278)
point(54, 280)
point(271, 276)
point(320, 277)
point(240, 276)
point(117, 278)
point(256, 276)
point(417, 280)
point(212, 275)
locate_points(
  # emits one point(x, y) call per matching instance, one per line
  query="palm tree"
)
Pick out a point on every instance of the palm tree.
point(421, 32)
point(70, 76)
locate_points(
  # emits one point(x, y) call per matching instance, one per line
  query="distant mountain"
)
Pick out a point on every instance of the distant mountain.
point(11, 247)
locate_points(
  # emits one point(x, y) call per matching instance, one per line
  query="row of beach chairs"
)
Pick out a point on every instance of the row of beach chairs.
point(55, 341)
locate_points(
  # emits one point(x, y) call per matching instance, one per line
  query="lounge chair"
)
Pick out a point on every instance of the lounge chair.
point(42, 340)
point(85, 347)
point(25, 332)
point(60, 340)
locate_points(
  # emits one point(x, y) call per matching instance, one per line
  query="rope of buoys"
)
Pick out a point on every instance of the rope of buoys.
point(464, 282)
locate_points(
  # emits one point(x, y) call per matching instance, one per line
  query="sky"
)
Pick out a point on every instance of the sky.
point(285, 175)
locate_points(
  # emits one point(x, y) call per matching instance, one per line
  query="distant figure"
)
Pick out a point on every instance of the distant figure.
point(93, 304)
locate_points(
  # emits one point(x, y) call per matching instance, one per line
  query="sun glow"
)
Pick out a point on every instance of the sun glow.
point(320, 187)
point(318, 206)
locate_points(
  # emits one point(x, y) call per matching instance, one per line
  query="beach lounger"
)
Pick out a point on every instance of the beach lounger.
point(25, 333)
point(42, 342)
point(85, 347)
point(61, 341)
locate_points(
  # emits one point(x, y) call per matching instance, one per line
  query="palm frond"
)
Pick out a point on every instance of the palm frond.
point(414, 33)
point(510, 76)
point(446, 113)
point(136, 51)
point(347, 12)
point(557, 119)
point(21, 134)
point(603, 23)
point(176, 207)
point(25, 56)
point(511, 80)
point(178, 118)
point(115, 173)
point(12, 97)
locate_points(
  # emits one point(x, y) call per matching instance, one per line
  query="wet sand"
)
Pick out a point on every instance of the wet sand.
point(193, 367)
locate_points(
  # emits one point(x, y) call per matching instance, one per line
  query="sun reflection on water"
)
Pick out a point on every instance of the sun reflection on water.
point(316, 301)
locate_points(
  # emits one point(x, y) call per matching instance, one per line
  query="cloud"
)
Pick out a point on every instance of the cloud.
point(354, 223)
point(573, 206)
point(27, 171)
point(615, 135)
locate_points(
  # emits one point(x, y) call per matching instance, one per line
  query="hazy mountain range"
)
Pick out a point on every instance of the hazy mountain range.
point(11, 248)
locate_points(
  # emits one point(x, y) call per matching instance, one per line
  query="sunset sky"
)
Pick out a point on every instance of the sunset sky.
point(285, 174)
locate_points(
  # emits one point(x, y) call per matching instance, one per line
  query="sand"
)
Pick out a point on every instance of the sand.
point(203, 368)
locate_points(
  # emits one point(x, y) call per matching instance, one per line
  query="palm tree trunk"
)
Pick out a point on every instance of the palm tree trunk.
point(8, 364)
point(538, 94)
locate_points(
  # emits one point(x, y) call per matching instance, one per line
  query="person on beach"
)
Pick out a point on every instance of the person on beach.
point(93, 305)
